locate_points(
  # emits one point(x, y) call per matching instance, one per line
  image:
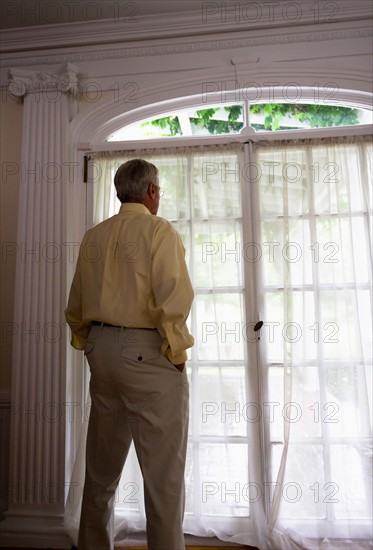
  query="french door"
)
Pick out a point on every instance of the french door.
point(280, 419)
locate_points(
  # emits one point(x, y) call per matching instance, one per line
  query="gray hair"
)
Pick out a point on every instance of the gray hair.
point(132, 179)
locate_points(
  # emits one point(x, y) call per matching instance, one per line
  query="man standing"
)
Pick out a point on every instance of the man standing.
point(127, 309)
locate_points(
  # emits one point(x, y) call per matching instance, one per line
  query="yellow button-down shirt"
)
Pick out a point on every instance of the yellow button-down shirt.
point(131, 272)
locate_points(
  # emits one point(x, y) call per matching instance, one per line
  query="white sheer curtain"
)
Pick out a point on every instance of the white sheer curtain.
point(315, 200)
point(279, 453)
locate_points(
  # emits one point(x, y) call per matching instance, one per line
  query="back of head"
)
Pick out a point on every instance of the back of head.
point(132, 179)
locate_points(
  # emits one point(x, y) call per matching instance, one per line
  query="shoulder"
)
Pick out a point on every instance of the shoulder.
point(164, 227)
point(153, 223)
point(163, 223)
point(166, 236)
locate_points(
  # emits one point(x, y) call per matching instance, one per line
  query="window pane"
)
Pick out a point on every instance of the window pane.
point(287, 255)
point(221, 327)
point(343, 329)
point(287, 116)
point(218, 253)
point(224, 479)
point(336, 174)
point(283, 186)
point(341, 247)
point(346, 324)
point(175, 202)
point(303, 494)
point(216, 186)
point(343, 384)
point(222, 401)
point(216, 120)
point(300, 329)
point(304, 411)
point(151, 128)
point(352, 494)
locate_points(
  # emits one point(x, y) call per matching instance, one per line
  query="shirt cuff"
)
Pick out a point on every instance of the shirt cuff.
point(78, 341)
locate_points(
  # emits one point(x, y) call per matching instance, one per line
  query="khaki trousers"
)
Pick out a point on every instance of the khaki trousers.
point(137, 394)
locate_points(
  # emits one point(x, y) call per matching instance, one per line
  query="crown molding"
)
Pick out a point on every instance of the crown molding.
point(168, 47)
point(290, 17)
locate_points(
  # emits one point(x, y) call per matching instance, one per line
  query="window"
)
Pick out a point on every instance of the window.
point(230, 119)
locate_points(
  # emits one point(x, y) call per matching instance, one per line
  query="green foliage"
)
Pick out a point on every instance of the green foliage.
point(231, 125)
point(169, 123)
point(317, 116)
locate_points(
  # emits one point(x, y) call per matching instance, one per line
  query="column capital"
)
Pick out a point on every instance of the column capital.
point(24, 81)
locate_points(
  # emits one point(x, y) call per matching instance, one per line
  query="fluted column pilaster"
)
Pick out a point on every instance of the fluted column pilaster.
point(38, 421)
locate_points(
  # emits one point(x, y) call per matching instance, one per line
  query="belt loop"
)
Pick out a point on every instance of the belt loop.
point(102, 325)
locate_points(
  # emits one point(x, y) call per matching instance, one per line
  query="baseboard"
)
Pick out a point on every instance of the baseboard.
point(33, 531)
point(25, 528)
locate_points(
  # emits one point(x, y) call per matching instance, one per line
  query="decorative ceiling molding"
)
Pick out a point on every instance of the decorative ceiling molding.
point(213, 44)
point(211, 18)
point(31, 13)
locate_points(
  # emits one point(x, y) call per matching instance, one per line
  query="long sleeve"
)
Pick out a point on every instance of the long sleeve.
point(73, 312)
point(173, 293)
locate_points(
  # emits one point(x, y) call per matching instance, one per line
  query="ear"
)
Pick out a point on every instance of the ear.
point(152, 190)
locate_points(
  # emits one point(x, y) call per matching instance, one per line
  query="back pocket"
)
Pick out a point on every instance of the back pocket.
point(140, 355)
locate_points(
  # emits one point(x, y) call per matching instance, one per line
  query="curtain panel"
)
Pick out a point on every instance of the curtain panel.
point(315, 201)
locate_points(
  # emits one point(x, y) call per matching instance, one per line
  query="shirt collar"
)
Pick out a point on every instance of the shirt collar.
point(135, 207)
